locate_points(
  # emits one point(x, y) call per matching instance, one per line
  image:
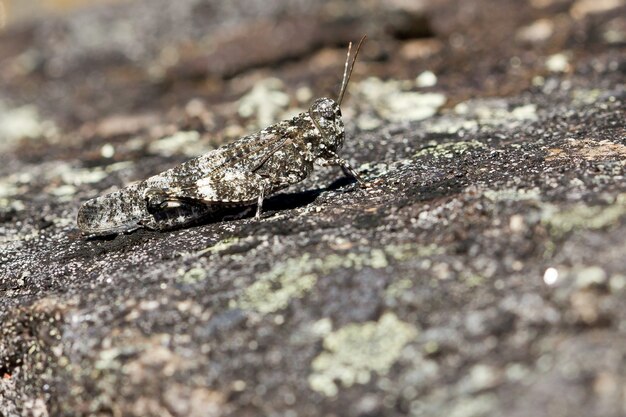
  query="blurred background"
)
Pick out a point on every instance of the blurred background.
point(78, 61)
point(106, 69)
point(16, 10)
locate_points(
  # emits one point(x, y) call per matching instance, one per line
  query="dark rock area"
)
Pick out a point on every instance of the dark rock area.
point(482, 272)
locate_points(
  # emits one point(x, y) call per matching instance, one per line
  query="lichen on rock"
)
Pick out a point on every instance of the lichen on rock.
point(356, 351)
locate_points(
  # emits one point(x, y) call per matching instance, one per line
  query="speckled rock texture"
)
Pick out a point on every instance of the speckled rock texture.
point(482, 273)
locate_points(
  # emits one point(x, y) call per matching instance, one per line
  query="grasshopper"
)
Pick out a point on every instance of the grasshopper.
point(236, 175)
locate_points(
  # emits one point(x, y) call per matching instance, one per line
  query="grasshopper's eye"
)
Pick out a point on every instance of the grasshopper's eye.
point(328, 114)
point(324, 111)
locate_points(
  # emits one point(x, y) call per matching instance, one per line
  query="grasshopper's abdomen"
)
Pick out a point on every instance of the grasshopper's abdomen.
point(117, 212)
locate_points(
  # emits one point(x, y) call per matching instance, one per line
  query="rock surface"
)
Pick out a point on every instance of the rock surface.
point(482, 273)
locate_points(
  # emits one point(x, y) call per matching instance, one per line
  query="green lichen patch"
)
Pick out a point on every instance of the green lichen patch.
point(473, 280)
point(585, 97)
point(192, 275)
point(264, 298)
point(397, 288)
point(355, 351)
point(273, 290)
point(220, 246)
point(411, 251)
point(295, 277)
point(582, 216)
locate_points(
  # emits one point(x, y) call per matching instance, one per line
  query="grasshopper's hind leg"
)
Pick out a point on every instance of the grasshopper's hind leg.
point(158, 199)
point(259, 203)
point(234, 187)
point(168, 210)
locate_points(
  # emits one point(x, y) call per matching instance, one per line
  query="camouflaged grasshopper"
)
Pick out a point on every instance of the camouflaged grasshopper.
point(235, 175)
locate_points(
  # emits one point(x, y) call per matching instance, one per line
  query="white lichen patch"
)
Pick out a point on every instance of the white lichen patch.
point(496, 112)
point(513, 194)
point(378, 169)
point(525, 112)
point(73, 176)
point(367, 121)
point(558, 63)
point(582, 216)
point(583, 8)
point(449, 124)
point(64, 179)
point(62, 222)
point(409, 106)
point(7, 204)
point(266, 101)
point(107, 151)
point(63, 192)
point(304, 95)
point(352, 353)
point(451, 149)
point(426, 79)
point(374, 88)
point(539, 31)
point(472, 114)
point(583, 97)
point(9, 187)
point(20, 123)
point(394, 101)
point(614, 33)
point(185, 142)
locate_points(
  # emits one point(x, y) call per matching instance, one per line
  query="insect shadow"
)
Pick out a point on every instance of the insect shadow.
point(291, 201)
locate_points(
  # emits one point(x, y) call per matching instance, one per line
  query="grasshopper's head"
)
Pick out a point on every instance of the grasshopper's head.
point(326, 113)
point(326, 116)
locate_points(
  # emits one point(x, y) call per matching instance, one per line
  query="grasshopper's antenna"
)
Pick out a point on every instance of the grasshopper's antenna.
point(347, 73)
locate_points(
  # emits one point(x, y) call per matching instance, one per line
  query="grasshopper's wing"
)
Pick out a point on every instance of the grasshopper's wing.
point(242, 154)
point(231, 174)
